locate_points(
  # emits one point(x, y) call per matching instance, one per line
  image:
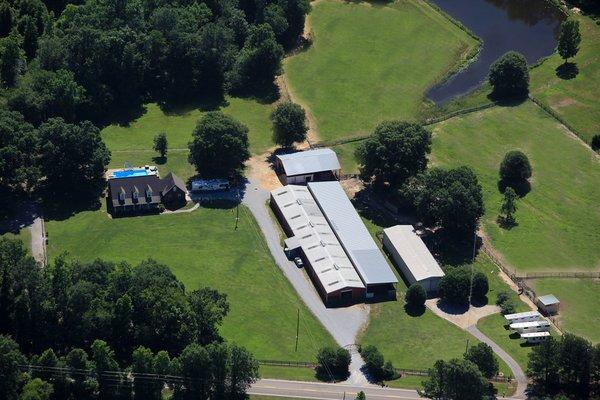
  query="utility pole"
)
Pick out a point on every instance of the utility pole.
point(297, 329)
point(237, 208)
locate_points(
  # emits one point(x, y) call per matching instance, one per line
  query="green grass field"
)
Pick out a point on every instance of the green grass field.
point(370, 62)
point(576, 99)
point(133, 143)
point(579, 304)
point(203, 249)
point(559, 219)
point(23, 235)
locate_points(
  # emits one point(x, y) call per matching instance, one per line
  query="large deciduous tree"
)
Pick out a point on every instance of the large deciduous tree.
point(569, 39)
point(515, 167)
point(451, 199)
point(289, 124)
point(219, 137)
point(259, 60)
point(18, 149)
point(72, 154)
point(509, 76)
point(396, 151)
point(456, 380)
point(12, 58)
point(45, 94)
point(10, 375)
point(333, 363)
point(483, 356)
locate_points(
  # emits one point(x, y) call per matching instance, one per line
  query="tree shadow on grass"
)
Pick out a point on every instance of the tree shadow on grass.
point(159, 160)
point(452, 248)
point(184, 106)
point(452, 308)
point(521, 187)
point(510, 101)
point(414, 311)
point(567, 71)
point(62, 202)
point(506, 223)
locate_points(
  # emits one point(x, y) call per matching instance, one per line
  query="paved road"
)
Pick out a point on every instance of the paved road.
point(331, 391)
point(512, 364)
point(342, 323)
point(327, 391)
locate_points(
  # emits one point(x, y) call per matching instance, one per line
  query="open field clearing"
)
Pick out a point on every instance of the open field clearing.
point(579, 304)
point(576, 100)
point(203, 249)
point(367, 63)
point(559, 219)
point(178, 126)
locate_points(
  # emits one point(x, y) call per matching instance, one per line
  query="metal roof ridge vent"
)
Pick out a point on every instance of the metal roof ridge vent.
point(299, 201)
point(323, 243)
point(337, 267)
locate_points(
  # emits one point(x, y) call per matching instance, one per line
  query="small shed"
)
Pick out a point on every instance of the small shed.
point(548, 304)
point(308, 166)
point(412, 257)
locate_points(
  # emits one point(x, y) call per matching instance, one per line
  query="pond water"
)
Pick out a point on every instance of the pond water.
point(530, 27)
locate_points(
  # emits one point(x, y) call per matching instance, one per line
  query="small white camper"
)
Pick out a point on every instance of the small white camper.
point(523, 317)
point(531, 326)
point(535, 337)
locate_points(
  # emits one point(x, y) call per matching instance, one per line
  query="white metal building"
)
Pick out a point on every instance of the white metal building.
point(523, 317)
point(353, 235)
point(412, 257)
point(327, 264)
point(306, 166)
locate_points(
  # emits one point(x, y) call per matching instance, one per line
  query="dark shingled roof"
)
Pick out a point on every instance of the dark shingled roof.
point(143, 185)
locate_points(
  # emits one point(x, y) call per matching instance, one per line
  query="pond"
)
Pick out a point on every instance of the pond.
point(530, 27)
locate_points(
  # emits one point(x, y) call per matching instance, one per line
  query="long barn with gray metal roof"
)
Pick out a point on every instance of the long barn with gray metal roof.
point(309, 232)
point(340, 255)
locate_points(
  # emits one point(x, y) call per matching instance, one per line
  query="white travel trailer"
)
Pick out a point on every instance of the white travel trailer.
point(523, 317)
point(532, 326)
point(210, 185)
point(535, 337)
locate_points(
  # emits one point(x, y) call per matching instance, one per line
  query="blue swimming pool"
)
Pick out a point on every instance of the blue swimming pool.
point(128, 173)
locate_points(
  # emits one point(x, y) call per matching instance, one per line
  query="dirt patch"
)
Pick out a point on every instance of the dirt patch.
point(258, 168)
point(566, 102)
point(352, 186)
point(465, 319)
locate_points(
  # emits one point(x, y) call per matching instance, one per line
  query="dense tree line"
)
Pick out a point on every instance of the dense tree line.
point(66, 154)
point(103, 56)
point(215, 371)
point(105, 316)
point(569, 366)
point(71, 304)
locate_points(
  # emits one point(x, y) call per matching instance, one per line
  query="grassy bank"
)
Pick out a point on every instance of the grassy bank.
point(558, 220)
point(203, 249)
point(371, 62)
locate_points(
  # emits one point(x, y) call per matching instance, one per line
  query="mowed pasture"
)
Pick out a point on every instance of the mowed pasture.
point(574, 98)
point(179, 125)
point(203, 249)
point(371, 62)
point(559, 219)
point(579, 304)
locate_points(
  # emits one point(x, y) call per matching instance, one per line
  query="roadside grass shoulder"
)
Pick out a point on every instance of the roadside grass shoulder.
point(558, 220)
point(203, 249)
point(579, 304)
point(574, 98)
point(291, 373)
point(366, 62)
